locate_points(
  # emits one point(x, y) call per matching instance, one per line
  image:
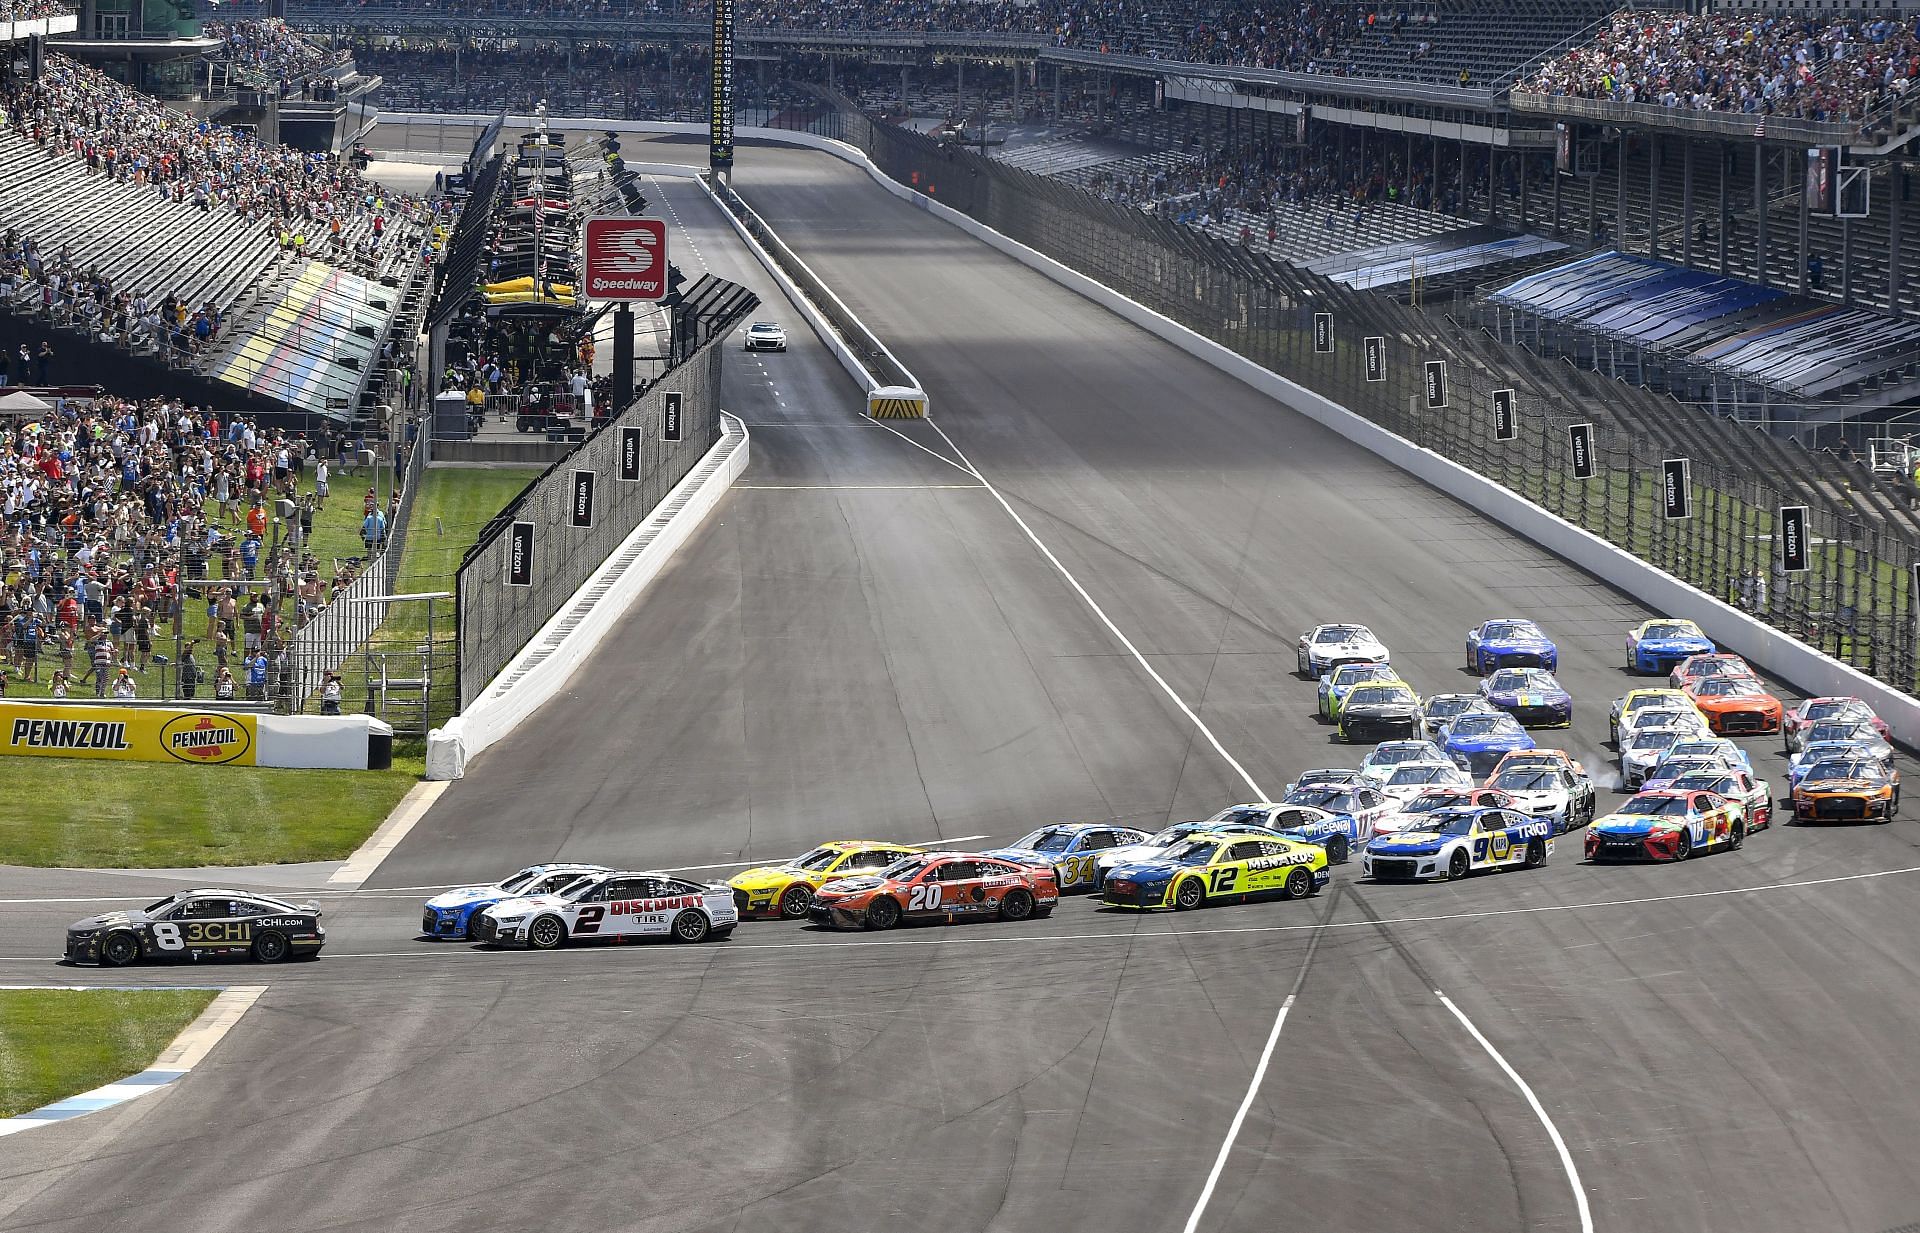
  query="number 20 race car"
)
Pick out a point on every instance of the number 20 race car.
point(200, 924)
point(937, 886)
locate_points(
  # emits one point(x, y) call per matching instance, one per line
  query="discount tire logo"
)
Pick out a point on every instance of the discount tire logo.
point(205, 738)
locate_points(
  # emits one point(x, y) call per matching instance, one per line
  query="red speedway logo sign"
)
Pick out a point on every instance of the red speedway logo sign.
point(626, 259)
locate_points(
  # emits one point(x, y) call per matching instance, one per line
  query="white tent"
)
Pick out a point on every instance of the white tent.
point(19, 402)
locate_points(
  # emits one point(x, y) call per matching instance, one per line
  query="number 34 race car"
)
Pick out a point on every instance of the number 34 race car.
point(937, 886)
point(200, 924)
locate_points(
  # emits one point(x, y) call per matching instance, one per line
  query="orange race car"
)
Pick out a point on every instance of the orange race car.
point(1735, 704)
point(1847, 789)
point(937, 886)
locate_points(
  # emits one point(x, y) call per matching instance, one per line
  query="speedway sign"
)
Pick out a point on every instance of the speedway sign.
point(626, 259)
point(130, 734)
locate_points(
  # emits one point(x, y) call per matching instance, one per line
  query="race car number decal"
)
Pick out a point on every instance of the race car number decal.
point(166, 935)
point(1076, 869)
point(169, 936)
point(1221, 881)
point(590, 918)
point(924, 898)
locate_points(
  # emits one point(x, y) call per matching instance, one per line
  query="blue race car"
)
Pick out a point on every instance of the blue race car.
point(1336, 685)
point(454, 913)
point(1355, 809)
point(1510, 642)
point(1303, 823)
point(1658, 646)
point(1069, 848)
point(1476, 742)
point(1530, 695)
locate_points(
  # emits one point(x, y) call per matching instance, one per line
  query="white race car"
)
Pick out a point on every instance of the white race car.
point(1325, 647)
point(1441, 709)
point(618, 907)
point(1642, 749)
point(1410, 779)
point(765, 336)
point(1451, 843)
point(1553, 794)
point(1378, 764)
point(1752, 794)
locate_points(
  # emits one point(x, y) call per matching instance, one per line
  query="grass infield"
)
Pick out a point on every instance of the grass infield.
point(56, 1043)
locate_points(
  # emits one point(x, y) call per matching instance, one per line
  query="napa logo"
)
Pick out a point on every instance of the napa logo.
point(205, 738)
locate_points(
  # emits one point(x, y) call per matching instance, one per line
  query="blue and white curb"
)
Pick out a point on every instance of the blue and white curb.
point(175, 1061)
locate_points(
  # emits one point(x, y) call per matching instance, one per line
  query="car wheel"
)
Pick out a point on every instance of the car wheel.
point(1339, 850)
point(1536, 853)
point(883, 913)
point(546, 933)
point(1737, 837)
point(1189, 895)
point(1893, 807)
point(1299, 884)
point(1458, 864)
point(472, 931)
point(691, 926)
point(1016, 905)
point(1683, 846)
point(270, 947)
point(795, 901)
point(119, 949)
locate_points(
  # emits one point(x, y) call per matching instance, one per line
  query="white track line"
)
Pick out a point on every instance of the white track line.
point(1539, 1110)
point(852, 487)
point(1239, 1116)
point(923, 449)
point(1259, 794)
point(379, 845)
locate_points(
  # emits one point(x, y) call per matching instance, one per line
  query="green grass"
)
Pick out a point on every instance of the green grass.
point(79, 812)
point(56, 1043)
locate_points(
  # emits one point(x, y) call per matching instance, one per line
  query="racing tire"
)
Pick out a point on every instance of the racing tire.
point(1458, 865)
point(794, 902)
point(1737, 837)
point(270, 947)
point(692, 927)
point(1189, 895)
point(883, 913)
point(1536, 853)
point(1339, 850)
point(1016, 905)
point(546, 933)
point(1683, 846)
point(1893, 806)
point(473, 925)
point(117, 950)
point(1299, 884)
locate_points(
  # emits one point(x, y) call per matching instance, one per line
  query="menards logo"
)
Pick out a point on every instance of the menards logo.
point(205, 738)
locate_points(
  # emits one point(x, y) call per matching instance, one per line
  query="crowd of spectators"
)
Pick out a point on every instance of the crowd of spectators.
point(122, 523)
point(64, 289)
point(34, 10)
point(1807, 65)
point(267, 53)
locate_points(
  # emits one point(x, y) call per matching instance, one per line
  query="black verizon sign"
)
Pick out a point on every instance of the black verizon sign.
point(520, 554)
point(580, 509)
point(1436, 385)
point(630, 439)
point(1505, 427)
point(1376, 348)
point(1323, 332)
point(1793, 539)
point(1676, 487)
point(1580, 450)
point(671, 429)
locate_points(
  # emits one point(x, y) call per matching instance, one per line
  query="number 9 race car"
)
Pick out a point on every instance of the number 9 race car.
point(938, 886)
point(1452, 843)
point(1211, 867)
point(612, 907)
point(199, 924)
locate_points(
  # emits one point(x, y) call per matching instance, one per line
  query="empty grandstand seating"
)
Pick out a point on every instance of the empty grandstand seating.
point(315, 342)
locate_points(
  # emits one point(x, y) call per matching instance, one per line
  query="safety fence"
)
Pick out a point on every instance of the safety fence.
point(1837, 569)
point(548, 540)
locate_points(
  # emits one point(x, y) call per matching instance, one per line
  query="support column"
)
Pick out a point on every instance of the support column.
point(1759, 212)
point(622, 358)
point(1520, 167)
point(1896, 189)
point(1806, 235)
point(903, 88)
point(1726, 173)
point(1557, 188)
point(1653, 195)
point(1493, 181)
point(1593, 208)
point(1620, 204)
point(1057, 70)
point(1686, 201)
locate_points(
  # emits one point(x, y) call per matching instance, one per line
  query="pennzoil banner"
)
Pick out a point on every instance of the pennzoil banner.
point(130, 733)
point(720, 122)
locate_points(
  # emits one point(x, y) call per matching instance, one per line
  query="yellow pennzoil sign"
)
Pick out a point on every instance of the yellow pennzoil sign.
point(130, 734)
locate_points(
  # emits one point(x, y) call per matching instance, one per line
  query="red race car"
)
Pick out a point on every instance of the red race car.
point(1821, 710)
point(948, 887)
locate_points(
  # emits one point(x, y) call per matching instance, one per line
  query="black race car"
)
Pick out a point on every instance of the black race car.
point(200, 924)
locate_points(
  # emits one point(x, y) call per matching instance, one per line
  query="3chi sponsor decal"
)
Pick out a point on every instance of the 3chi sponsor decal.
point(208, 738)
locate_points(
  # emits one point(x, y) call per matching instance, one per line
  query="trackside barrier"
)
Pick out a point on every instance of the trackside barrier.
point(208, 737)
point(542, 668)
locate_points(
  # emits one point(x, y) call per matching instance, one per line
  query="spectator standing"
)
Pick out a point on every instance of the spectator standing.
point(45, 361)
point(330, 695)
point(58, 688)
point(320, 477)
point(190, 672)
point(223, 684)
point(257, 676)
point(124, 689)
point(102, 660)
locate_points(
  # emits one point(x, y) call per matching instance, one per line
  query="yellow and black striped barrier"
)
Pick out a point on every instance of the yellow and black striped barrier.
point(896, 402)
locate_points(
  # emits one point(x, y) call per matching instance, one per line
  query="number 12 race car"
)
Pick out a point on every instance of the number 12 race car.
point(612, 907)
point(937, 886)
point(1210, 867)
point(199, 924)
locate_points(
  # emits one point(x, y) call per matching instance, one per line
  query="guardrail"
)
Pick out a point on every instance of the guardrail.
point(1789, 130)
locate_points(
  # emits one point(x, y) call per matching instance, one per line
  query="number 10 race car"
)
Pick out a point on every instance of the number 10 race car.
point(937, 886)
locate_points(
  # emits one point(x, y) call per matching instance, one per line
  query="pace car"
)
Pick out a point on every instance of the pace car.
point(945, 887)
point(199, 924)
point(1815, 710)
point(1411, 779)
point(1325, 647)
point(1218, 868)
point(1635, 700)
point(1442, 709)
point(1378, 764)
point(1072, 849)
point(1847, 789)
point(1668, 825)
point(785, 890)
point(1452, 843)
point(765, 336)
point(615, 906)
point(1530, 695)
point(1475, 742)
point(1336, 685)
point(454, 913)
point(1410, 812)
point(1658, 646)
point(1302, 823)
point(1697, 667)
point(1550, 794)
point(1754, 796)
point(1358, 807)
point(1380, 709)
point(1510, 642)
point(1736, 704)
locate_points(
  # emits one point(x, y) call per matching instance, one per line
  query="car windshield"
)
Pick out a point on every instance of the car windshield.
point(1508, 679)
point(765, 325)
point(1395, 754)
point(1477, 725)
point(1725, 785)
point(1715, 666)
point(1381, 695)
point(1357, 674)
point(578, 887)
point(1672, 767)
point(1174, 834)
point(1670, 629)
point(1727, 686)
point(1242, 815)
point(1842, 732)
point(1450, 706)
point(1343, 633)
point(1047, 839)
point(1192, 852)
point(1427, 801)
point(1407, 775)
point(1846, 768)
point(816, 860)
point(1509, 629)
point(1333, 800)
point(1650, 740)
point(1656, 806)
point(521, 880)
point(1444, 822)
point(1699, 749)
point(1527, 779)
point(1664, 716)
point(906, 869)
point(1337, 775)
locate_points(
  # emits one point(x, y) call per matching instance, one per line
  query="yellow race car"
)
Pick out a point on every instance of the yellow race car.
point(1212, 867)
point(785, 891)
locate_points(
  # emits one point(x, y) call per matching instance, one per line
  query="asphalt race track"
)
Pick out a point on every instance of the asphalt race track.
point(864, 642)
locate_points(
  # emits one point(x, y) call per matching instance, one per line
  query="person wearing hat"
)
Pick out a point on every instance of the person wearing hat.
point(124, 689)
point(330, 695)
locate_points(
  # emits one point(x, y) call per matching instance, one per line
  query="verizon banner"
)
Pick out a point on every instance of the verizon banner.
point(626, 259)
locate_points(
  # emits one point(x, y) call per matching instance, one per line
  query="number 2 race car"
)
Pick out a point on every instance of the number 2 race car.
point(612, 907)
point(948, 887)
point(786, 890)
point(199, 924)
point(455, 913)
point(1215, 868)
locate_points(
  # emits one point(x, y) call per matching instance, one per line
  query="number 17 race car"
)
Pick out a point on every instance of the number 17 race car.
point(948, 887)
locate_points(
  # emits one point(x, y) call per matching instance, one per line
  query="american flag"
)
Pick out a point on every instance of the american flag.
point(1760, 127)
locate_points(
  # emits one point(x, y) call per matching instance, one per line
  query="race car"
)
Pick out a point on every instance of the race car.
point(1671, 769)
point(1302, 823)
point(1691, 725)
point(944, 887)
point(1510, 642)
point(1720, 748)
point(1377, 765)
point(1697, 667)
point(1443, 708)
point(1793, 728)
point(1538, 757)
point(1854, 732)
point(1847, 789)
point(1754, 796)
point(1441, 798)
point(1736, 704)
point(1530, 695)
point(454, 913)
point(1335, 685)
point(1625, 706)
point(1642, 749)
point(1658, 646)
point(615, 906)
point(1358, 807)
point(200, 924)
point(1380, 709)
point(1153, 845)
point(1668, 825)
point(1070, 850)
point(1411, 779)
point(1452, 843)
point(1475, 742)
point(1327, 777)
point(1325, 647)
point(1210, 868)
point(783, 891)
point(1814, 752)
point(765, 336)
point(1550, 794)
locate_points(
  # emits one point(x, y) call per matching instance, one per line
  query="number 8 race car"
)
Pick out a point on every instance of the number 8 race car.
point(938, 886)
point(199, 924)
point(615, 907)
